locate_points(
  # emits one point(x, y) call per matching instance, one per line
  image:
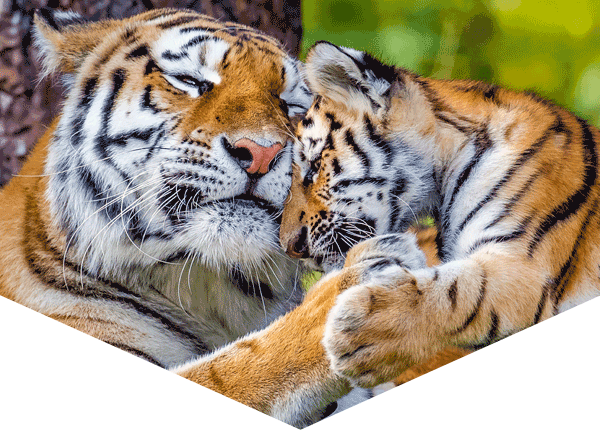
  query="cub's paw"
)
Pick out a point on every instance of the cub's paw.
point(375, 330)
point(398, 249)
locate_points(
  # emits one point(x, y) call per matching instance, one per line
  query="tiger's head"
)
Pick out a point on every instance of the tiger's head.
point(173, 139)
point(354, 175)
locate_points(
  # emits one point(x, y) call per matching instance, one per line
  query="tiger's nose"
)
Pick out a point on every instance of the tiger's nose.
point(255, 158)
point(297, 246)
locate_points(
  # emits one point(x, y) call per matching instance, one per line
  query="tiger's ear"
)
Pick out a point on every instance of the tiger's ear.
point(351, 77)
point(64, 39)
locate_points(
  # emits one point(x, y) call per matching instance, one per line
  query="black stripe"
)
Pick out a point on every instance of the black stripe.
point(542, 302)
point(575, 201)
point(452, 292)
point(178, 21)
point(523, 158)
point(335, 164)
point(307, 122)
point(123, 138)
point(98, 197)
point(170, 55)
point(378, 140)
point(439, 236)
point(492, 333)
point(471, 317)
point(354, 182)
point(498, 239)
point(140, 51)
point(82, 110)
point(482, 143)
point(334, 124)
point(494, 326)
point(362, 156)
point(195, 41)
point(196, 28)
point(151, 67)
point(317, 102)
point(328, 142)
point(560, 282)
point(283, 75)
point(396, 203)
point(130, 36)
point(441, 109)
point(442, 116)
point(515, 199)
point(147, 102)
point(137, 352)
point(491, 94)
point(118, 78)
point(384, 263)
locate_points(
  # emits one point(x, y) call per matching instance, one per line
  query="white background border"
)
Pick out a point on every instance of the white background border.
point(52, 376)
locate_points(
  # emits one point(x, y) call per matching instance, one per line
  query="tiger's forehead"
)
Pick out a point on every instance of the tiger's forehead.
point(198, 43)
point(193, 29)
point(183, 50)
point(324, 124)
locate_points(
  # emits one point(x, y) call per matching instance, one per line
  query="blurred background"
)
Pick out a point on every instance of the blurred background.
point(551, 47)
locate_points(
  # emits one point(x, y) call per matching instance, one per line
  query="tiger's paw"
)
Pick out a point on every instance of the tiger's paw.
point(378, 328)
point(396, 249)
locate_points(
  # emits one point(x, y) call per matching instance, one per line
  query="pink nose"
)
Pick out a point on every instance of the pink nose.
point(261, 155)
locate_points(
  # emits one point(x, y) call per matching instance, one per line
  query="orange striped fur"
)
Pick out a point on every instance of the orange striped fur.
point(138, 219)
point(510, 179)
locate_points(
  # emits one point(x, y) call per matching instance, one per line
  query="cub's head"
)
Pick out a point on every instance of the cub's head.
point(174, 138)
point(353, 175)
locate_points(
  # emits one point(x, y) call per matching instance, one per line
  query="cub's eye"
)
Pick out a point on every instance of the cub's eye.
point(189, 84)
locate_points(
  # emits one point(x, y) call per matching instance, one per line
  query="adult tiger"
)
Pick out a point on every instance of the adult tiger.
point(511, 180)
point(147, 216)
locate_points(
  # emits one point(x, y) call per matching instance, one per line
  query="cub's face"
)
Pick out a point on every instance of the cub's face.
point(353, 178)
point(175, 133)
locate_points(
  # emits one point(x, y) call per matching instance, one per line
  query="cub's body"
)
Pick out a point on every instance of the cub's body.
point(511, 180)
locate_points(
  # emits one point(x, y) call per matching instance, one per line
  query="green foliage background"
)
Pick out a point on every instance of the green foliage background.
point(551, 47)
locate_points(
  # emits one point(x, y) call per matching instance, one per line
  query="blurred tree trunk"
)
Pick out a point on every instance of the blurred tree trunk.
point(27, 106)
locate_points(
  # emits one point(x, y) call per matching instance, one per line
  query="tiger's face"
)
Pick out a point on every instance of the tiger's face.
point(174, 136)
point(352, 178)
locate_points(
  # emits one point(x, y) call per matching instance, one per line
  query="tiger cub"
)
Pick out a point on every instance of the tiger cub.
point(147, 216)
point(510, 179)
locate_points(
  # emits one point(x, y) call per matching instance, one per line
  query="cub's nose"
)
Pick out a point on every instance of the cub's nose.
point(297, 246)
point(254, 158)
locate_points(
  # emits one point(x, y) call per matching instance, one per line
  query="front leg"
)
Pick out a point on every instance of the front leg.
point(282, 370)
point(398, 317)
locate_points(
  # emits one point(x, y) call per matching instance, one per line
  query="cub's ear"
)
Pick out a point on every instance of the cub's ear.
point(64, 39)
point(351, 77)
